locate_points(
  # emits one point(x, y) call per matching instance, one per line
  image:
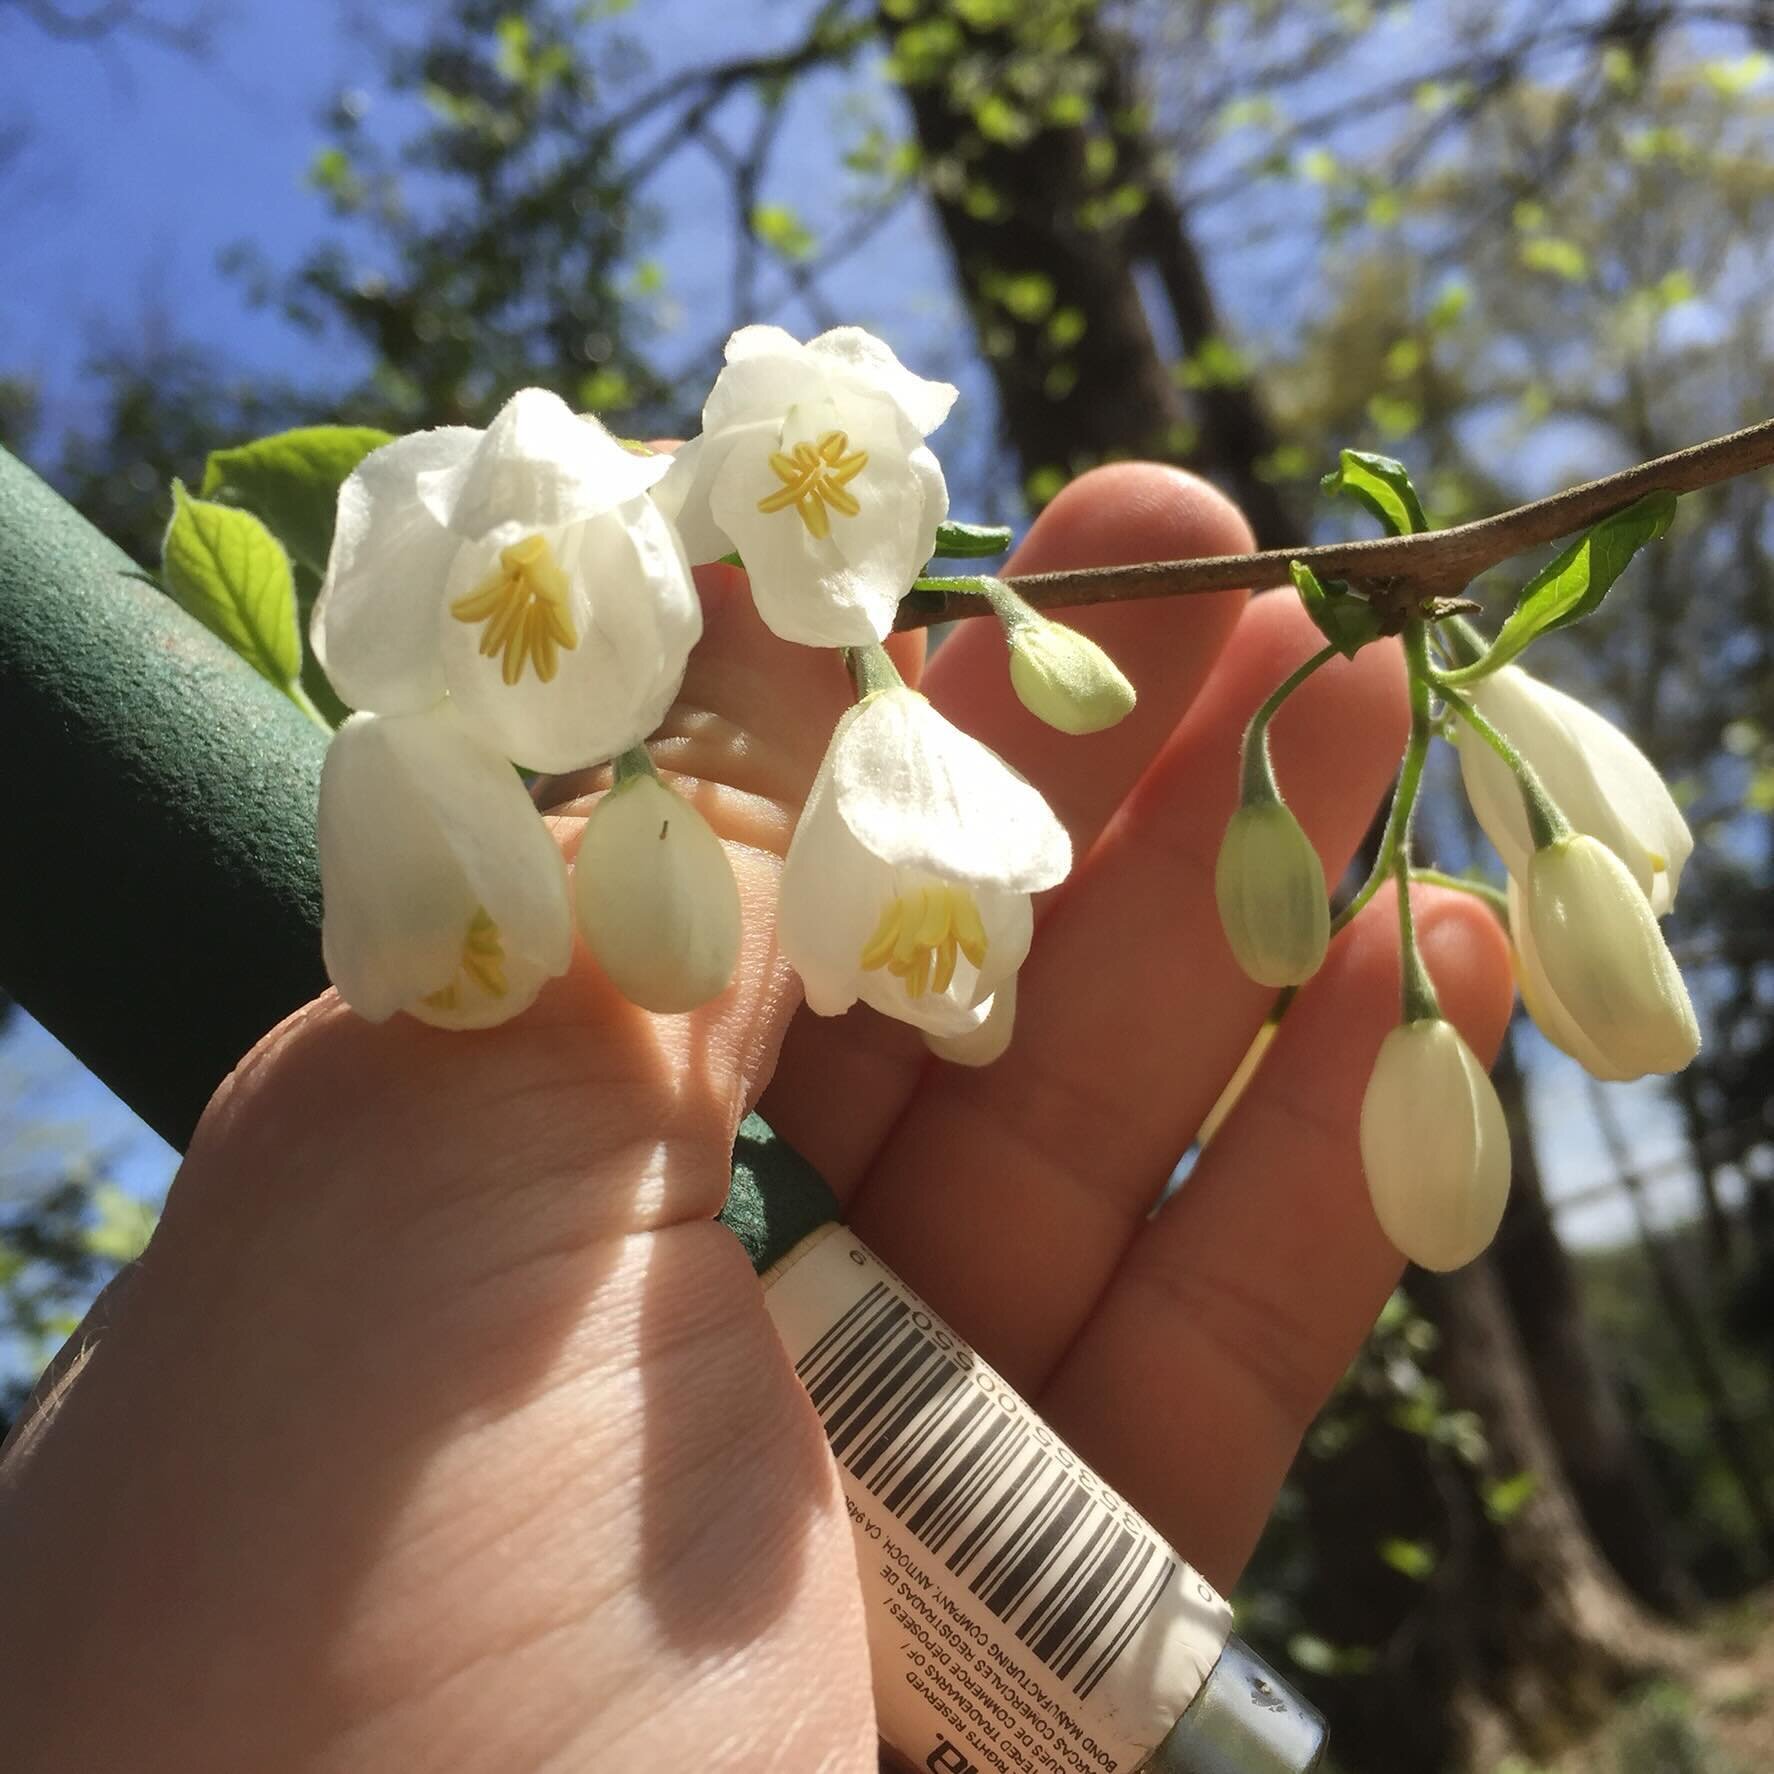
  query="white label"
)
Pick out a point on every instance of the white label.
point(1022, 1617)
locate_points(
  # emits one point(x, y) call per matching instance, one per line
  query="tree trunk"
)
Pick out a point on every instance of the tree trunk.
point(1046, 230)
point(1579, 1395)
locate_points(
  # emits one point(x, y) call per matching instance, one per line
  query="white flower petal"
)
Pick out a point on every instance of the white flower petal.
point(1604, 785)
point(683, 495)
point(656, 899)
point(423, 834)
point(988, 1042)
point(868, 363)
point(1605, 961)
point(829, 900)
point(374, 623)
point(923, 795)
point(1434, 1146)
point(541, 465)
point(635, 615)
point(761, 384)
point(1542, 1003)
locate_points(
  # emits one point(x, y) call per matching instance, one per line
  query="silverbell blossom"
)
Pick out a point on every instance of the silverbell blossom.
point(444, 895)
point(907, 883)
point(1269, 885)
point(1602, 783)
point(1597, 975)
point(811, 464)
point(1064, 678)
point(1434, 1145)
point(524, 572)
point(655, 898)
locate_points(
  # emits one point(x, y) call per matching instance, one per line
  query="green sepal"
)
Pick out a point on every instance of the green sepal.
point(1348, 622)
point(1575, 584)
point(224, 567)
point(292, 481)
point(1383, 485)
point(970, 541)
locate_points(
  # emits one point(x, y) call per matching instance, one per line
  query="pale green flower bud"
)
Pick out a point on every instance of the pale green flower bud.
point(655, 898)
point(1600, 969)
point(1270, 887)
point(1066, 679)
point(1434, 1145)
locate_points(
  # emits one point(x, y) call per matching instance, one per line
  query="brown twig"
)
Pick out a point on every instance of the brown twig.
point(1437, 563)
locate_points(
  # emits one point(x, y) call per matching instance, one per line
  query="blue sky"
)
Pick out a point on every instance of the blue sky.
point(137, 166)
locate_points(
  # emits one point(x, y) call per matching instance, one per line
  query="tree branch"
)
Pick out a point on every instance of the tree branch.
point(1434, 564)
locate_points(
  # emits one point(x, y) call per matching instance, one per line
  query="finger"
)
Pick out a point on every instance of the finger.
point(1233, 1314)
point(1132, 1013)
point(841, 1083)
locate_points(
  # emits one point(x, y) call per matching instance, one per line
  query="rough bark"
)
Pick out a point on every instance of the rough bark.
point(1579, 1393)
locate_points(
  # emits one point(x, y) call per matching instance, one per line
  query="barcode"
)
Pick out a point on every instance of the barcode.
point(1070, 1575)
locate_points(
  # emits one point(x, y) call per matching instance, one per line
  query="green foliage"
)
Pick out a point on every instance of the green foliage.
point(291, 480)
point(1573, 585)
point(1383, 485)
point(224, 567)
point(958, 541)
point(1347, 621)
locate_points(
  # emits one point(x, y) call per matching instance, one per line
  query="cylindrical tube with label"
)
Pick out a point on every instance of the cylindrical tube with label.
point(1022, 1617)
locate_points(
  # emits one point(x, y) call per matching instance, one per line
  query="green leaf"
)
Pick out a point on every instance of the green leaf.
point(1558, 258)
point(1504, 1497)
point(1348, 622)
point(1411, 1558)
point(1383, 485)
point(225, 568)
point(1577, 581)
point(292, 481)
point(956, 541)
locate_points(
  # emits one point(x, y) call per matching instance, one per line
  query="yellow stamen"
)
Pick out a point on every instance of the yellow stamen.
point(524, 609)
point(483, 962)
point(815, 476)
point(922, 935)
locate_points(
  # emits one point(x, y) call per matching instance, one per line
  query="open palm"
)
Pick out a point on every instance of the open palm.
point(439, 1427)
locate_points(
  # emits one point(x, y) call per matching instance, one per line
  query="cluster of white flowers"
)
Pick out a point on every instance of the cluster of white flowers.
point(523, 596)
point(1594, 846)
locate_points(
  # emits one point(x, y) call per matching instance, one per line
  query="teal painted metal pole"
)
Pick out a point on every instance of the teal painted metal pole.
point(159, 897)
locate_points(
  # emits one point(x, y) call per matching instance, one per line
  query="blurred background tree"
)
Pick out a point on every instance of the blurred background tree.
point(1517, 244)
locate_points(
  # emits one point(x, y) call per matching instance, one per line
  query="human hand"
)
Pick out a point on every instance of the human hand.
point(439, 1428)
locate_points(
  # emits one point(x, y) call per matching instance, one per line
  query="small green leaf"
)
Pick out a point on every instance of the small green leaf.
point(1410, 1558)
point(1383, 485)
point(1505, 1497)
point(121, 1231)
point(292, 481)
point(1558, 258)
point(1578, 580)
point(225, 568)
point(1348, 622)
point(955, 541)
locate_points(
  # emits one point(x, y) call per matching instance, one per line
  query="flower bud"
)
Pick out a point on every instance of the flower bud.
point(655, 898)
point(1270, 887)
point(1066, 679)
point(1434, 1145)
point(1599, 969)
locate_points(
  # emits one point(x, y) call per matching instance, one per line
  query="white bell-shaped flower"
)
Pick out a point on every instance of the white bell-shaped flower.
point(1434, 1145)
point(811, 464)
point(1269, 884)
point(655, 898)
point(524, 571)
point(985, 1045)
point(908, 879)
point(1602, 783)
point(1597, 976)
point(444, 894)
